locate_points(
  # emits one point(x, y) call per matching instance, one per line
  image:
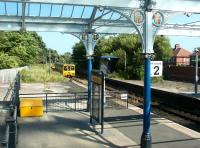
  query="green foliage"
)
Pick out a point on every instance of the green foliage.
point(40, 73)
point(79, 56)
point(7, 61)
point(129, 45)
point(65, 58)
point(157, 79)
point(119, 46)
point(22, 48)
point(162, 48)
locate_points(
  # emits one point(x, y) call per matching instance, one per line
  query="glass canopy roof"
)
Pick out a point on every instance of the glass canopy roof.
point(104, 16)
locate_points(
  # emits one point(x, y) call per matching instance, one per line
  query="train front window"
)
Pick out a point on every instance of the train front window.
point(66, 68)
point(72, 68)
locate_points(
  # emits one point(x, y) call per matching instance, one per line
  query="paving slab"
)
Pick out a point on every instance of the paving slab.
point(123, 128)
point(67, 129)
point(165, 133)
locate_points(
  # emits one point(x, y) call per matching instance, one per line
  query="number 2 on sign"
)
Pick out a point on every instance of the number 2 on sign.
point(156, 70)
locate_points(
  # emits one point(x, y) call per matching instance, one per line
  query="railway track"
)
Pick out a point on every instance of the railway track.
point(176, 110)
point(186, 116)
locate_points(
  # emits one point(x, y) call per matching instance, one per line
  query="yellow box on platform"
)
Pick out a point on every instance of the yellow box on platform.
point(31, 107)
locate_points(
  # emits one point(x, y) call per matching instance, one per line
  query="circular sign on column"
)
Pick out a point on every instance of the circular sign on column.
point(138, 17)
point(158, 19)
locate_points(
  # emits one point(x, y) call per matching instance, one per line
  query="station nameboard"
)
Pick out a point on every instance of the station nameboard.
point(156, 68)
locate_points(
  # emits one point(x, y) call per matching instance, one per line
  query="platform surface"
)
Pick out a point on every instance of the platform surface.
point(123, 128)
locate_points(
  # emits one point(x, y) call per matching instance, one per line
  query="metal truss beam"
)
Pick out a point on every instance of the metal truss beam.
point(179, 32)
point(13, 23)
point(57, 20)
point(23, 14)
point(43, 27)
point(103, 3)
point(165, 5)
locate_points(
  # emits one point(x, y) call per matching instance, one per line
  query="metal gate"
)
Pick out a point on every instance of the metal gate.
point(55, 102)
point(97, 101)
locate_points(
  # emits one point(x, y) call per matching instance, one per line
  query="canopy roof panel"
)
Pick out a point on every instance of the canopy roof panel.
point(75, 16)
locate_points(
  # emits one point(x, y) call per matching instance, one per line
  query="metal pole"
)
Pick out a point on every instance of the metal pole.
point(46, 103)
point(125, 61)
point(49, 62)
point(147, 50)
point(196, 73)
point(12, 133)
point(75, 101)
point(89, 81)
point(146, 135)
point(102, 102)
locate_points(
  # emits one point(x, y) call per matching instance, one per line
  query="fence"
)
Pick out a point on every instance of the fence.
point(12, 106)
point(9, 75)
point(55, 102)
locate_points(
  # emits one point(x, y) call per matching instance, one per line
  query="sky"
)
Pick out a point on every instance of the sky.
point(59, 41)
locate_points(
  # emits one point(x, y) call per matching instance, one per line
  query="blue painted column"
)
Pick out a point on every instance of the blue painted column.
point(146, 135)
point(89, 81)
point(147, 50)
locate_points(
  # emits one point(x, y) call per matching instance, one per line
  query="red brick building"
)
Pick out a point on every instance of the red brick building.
point(181, 56)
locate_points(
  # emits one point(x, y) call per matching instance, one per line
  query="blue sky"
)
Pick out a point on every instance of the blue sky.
point(59, 41)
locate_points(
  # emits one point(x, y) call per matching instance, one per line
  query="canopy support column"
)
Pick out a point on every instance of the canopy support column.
point(89, 43)
point(148, 50)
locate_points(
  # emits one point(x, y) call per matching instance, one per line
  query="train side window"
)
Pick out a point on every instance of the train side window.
point(72, 68)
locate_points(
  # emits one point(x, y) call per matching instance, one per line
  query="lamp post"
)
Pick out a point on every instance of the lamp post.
point(196, 72)
point(125, 61)
point(49, 62)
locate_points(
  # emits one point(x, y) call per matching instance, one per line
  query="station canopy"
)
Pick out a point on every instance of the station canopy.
point(104, 16)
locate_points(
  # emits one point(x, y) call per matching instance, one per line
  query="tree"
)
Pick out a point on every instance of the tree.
point(131, 44)
point(8, 61)
point(28, 47)
point(79, 56)
point(162, 49)
point(65, 58)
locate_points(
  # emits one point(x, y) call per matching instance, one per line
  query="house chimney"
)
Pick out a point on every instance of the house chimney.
point(177, 46)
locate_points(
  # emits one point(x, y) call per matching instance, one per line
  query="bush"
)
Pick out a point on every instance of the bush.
point(40, 73)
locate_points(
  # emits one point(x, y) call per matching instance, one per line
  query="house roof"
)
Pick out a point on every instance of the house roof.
point(181, 52)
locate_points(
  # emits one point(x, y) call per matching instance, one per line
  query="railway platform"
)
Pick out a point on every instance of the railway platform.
point(184, 88)
point(123, 128)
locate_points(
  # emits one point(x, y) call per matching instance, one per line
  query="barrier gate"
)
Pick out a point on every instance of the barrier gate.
point(56, 102)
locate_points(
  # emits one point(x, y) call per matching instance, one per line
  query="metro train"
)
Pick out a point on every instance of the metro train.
point(67, 70)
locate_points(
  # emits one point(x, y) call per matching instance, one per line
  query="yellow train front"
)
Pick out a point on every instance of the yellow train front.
point(67, 70)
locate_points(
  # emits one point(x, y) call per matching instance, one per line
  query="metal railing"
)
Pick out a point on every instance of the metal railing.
point(11, 139)
point(12, 105)
point(55, 102)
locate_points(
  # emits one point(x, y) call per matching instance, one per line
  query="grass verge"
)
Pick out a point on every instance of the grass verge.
point(40, 73)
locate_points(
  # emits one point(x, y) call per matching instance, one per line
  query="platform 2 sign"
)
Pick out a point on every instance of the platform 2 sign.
point(156, 68)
